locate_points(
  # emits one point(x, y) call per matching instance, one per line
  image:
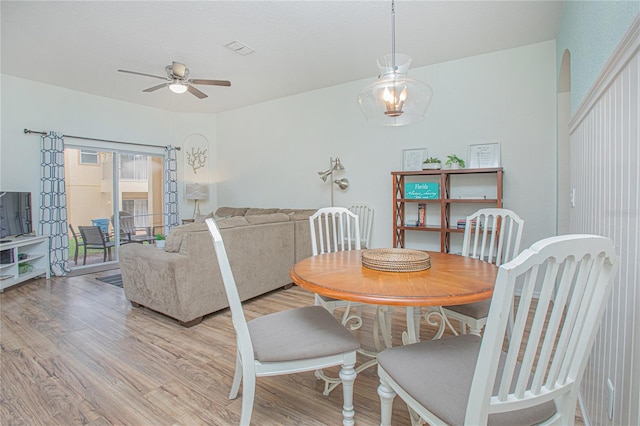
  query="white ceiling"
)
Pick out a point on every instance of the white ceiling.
point(299, 45)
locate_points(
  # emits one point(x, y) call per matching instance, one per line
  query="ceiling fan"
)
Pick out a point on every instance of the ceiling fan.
point(178, 82)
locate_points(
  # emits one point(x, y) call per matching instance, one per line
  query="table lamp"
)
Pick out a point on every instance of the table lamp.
point(196, 192)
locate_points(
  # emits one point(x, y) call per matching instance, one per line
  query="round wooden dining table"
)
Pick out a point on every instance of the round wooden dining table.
point(451, 280)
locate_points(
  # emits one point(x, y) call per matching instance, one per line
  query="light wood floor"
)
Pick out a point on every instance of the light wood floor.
point(74, 351)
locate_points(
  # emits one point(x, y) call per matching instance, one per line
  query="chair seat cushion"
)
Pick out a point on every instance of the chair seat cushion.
point(475, 310)
point(438, 374)
point(302, 333)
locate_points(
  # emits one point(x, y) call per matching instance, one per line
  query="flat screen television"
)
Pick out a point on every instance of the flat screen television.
point(15, 213)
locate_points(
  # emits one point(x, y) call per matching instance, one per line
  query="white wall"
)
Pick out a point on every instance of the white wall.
point(605, 153)
point(41, 107)
point(268, 154)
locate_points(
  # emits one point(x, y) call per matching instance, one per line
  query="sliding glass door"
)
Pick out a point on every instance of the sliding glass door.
point(119, 192)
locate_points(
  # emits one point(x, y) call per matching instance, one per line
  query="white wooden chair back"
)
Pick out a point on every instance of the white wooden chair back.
point(365, 216)
point(566, 281)
point(334, 229)
point(275, 353)
point(245, 347)
point(492, 235)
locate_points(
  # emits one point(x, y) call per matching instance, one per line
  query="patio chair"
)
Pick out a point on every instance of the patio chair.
point(286, 342)
point(527, 376)
point(94, 239)
point(129, 233)
point(77, 239)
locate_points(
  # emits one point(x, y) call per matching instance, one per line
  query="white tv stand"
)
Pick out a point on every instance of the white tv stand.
point(23, 258)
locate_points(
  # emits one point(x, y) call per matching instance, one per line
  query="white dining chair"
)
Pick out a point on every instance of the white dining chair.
point(492, 235)
point(528, 376)
point(336, 229)
point(292, 341)
point(365, 216)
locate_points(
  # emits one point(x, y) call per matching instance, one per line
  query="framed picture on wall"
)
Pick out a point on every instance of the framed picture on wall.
point(412, 158)
point(485, 155)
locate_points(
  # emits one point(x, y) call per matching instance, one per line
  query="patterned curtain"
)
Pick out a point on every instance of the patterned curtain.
point(53, 201)
point(170, 188)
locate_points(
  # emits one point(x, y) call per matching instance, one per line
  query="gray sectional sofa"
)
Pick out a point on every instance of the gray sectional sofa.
point(183, 280)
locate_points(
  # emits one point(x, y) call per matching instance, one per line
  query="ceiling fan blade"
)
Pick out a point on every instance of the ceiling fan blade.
point(179, 70)
point(141, 73)
point(196, 92)
point(154, 88)
point(212, 82)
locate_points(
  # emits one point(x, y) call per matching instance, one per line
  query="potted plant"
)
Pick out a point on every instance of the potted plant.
point(160, 240)
point(454, 162)
point(431, 163)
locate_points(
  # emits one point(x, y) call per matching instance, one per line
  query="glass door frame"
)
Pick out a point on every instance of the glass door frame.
point(114, 153)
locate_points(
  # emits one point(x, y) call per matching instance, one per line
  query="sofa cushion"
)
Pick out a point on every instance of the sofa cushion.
point(174, 239)
point(230, 211)
point(259, 211)
point(266, 218)
point(301, 214)
point(232, 222)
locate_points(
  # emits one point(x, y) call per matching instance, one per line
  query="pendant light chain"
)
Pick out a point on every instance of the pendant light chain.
point(393, 36)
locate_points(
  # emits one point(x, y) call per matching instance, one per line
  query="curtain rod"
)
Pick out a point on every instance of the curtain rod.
point(27, 131)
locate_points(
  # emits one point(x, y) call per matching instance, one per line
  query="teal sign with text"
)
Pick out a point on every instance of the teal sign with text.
point(422, 191)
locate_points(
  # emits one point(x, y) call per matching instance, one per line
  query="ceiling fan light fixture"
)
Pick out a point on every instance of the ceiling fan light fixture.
point(178, 82)
point(177, 87)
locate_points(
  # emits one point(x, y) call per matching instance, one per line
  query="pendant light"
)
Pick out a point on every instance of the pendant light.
point(394, 99)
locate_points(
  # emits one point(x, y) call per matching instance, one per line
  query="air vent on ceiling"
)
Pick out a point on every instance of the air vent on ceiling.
point(239, 48)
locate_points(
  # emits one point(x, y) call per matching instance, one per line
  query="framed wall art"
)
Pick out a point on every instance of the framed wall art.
point(412, 158)
point(485, 155)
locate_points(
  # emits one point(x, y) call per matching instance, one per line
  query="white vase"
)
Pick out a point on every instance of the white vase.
point(430, 166)
point(160, 244)
point(454, 166)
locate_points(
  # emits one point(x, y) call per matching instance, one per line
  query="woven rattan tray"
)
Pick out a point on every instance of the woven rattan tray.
point(396, 260)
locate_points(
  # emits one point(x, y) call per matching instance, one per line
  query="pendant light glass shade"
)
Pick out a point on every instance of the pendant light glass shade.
point(395, 99)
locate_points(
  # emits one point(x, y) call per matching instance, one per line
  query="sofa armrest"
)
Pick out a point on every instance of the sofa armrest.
point(171, 283)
